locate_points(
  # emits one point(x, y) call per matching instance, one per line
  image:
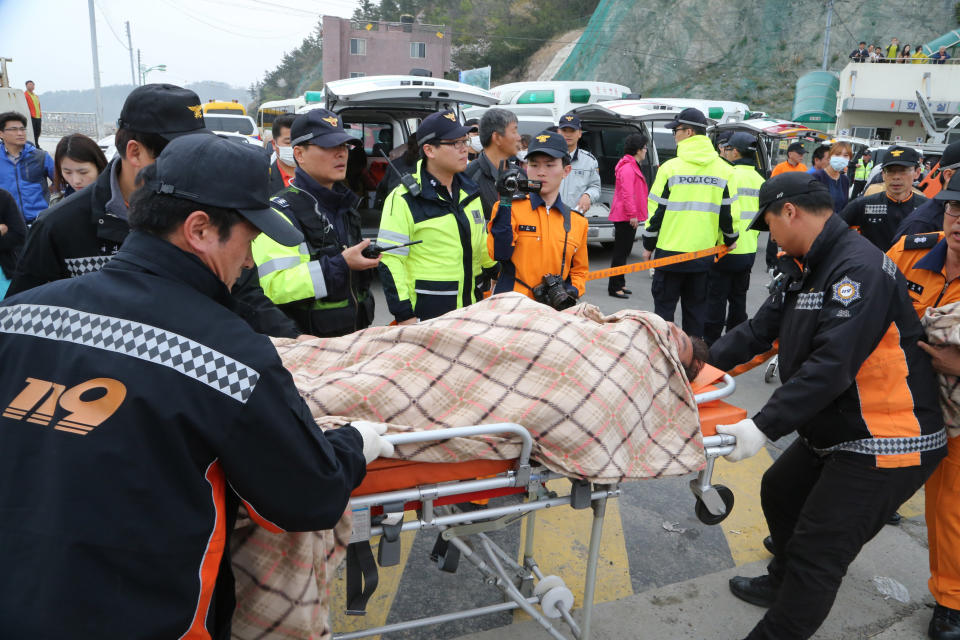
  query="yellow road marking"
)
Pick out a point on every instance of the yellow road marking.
point(745, 527)
point(380, 603)
point(914, 506)
point(561, 545)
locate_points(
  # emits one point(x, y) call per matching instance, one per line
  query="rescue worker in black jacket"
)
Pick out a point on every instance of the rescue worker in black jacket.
point(139, 411)
point(877, 216)
point(323, 285)
point(82, 233)
point(857, 389)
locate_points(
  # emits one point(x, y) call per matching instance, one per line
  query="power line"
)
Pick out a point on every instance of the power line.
point(225, 30)
point(110, 26)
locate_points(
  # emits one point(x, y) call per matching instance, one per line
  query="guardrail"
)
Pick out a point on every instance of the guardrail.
point(62, 123)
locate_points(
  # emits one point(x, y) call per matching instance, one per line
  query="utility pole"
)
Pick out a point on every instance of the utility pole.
point(139, 69)
point(133, 77)
point(826, 39)
point(96, 69)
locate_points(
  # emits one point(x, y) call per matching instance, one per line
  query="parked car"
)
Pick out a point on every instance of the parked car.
point(775, 136)
point(236, 124)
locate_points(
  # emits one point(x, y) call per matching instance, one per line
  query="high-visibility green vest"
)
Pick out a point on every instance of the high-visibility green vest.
point(745, 185)
point(692, 186)
point(863, 170)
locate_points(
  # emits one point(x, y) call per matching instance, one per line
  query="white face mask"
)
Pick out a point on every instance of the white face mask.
point(475, 144)
point(286, 155)
point(839, 162)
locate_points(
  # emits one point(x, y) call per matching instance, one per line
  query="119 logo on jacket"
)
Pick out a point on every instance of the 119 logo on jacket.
point(87, 404)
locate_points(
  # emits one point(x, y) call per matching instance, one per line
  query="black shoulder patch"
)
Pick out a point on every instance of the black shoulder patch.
point(921, 240)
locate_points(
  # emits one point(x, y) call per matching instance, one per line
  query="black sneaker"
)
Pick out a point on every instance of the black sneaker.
point(895, 518)
point(768, 545)
point(945, 624)
point(760, 591)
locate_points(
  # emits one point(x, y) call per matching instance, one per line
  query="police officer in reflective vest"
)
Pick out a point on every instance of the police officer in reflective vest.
point(324, 284)
point(862, 173)
point(858, 391)
point(729, 278)
point(691, 200)
point(440, 206)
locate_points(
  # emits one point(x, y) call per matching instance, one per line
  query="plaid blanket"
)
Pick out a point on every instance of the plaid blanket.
point(943, 327)
point(604, 398)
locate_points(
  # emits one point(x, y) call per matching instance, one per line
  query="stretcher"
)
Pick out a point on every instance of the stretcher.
point(442, 497)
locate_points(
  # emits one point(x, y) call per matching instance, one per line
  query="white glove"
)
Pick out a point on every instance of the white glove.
point(374, 445)
point(749, 439)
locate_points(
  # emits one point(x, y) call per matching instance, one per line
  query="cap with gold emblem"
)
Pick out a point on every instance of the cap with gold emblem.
point(903, 156)
point(442, 125)
point(549, 142)
point(569, 121)
point(321, 128)
point(164, 109)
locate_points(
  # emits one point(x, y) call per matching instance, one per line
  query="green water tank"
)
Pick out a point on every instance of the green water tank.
point(815, 98)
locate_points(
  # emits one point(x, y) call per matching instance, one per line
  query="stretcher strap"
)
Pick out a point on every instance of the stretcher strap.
point(718, 251)
point(362, 577)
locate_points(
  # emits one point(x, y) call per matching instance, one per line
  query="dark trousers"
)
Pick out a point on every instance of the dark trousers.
point(821, 511)
point(858, 186)
point(771, 255)
point(726, 302)
point(623, 236)
point(36, 131)
point(687, 287)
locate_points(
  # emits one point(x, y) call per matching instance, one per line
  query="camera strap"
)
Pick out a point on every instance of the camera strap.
point(566, 232)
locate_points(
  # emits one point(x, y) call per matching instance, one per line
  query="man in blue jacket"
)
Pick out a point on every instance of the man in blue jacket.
point(137, 411)
point(24, 169)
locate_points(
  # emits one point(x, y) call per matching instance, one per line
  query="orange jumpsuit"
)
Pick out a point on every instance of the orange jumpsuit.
point(922, 259)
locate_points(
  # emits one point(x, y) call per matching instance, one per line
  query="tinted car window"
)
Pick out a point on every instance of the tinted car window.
point(236, 125)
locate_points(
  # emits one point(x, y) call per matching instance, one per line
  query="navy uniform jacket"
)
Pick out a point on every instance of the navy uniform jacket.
point(878, 216)
point(927, 218)
point(136, 412)
point(849, 360)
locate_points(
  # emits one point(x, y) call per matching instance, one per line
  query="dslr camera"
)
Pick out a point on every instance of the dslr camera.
point(552, 292)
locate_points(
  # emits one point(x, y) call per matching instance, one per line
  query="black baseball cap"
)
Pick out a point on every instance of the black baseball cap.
point(442, 125)
point(569, 121)
point(782, 187)
point(474, 124)
point(951, 156)
point(321, 128)
point(690, 117)
point(742, 141)
point(214, 171)
point(797, 147)
point(898, 155)
point(164, 109)
point(952, 192)
point(549, 142)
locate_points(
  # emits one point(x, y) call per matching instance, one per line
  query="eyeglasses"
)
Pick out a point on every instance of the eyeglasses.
point(953, 209)
point(459, 145)
point(15, 129)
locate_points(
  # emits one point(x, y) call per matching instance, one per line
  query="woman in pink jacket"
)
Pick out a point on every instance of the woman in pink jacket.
point(629, 207)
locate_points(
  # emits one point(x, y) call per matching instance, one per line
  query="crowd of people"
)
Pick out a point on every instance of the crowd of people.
point(895, 53)
point(140, 302)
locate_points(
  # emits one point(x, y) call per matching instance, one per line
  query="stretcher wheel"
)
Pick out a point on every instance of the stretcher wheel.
point(704, 515)
point(547, 583)
point(770, 371)
point(556, 600)
point(449, 559)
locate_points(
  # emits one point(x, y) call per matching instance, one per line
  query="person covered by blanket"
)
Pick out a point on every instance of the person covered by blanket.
point(140, 411)
point(857, 389)
point(931, 264)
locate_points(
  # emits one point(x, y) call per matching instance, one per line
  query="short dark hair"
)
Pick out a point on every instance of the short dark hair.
point(862, 42)
point(285, 120)
point(159, 214)
point(7, 116)
point(152, 142)
point(565, 160)
point(633, 143)
point(818, 202)
point(79, 148)
point(701, 353)
point(495, 121)
point(821, 151)
point(697, 129)
point(29, 82)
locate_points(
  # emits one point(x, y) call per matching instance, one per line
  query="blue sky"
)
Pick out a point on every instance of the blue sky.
point(233, 41)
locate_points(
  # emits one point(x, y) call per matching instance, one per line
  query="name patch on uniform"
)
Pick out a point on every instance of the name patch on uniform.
point(711, 180)
point(280, 202)
point(875, 210)
point(477, 216)
point(527, 227)
point(846, 291)
point(810, 301)
point(916, 288)
point(920, 241)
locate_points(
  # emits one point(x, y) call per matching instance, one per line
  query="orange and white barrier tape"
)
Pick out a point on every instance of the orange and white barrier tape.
point(719, 251)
